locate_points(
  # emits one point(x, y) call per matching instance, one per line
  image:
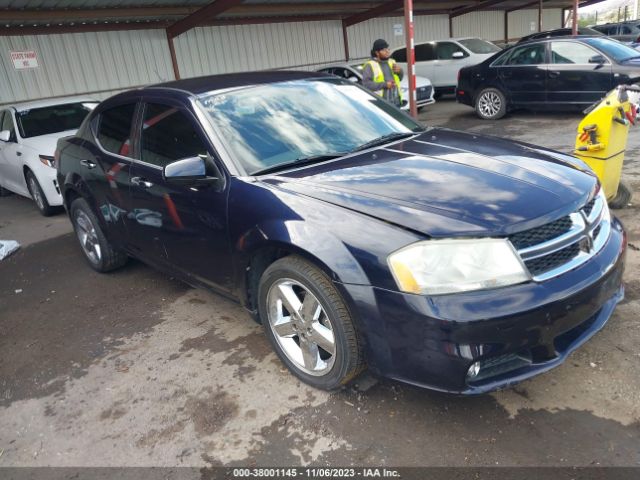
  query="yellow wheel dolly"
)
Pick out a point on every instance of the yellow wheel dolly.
point(602, 140)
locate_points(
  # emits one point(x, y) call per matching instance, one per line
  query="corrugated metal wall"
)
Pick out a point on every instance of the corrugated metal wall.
point(488, 25)
point(211, 50)
point(84, 62)
point(521, 21)
point(362, 35)
point(78, 63)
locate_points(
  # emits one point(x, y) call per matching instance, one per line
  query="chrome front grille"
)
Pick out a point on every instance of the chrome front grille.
point(562, 245)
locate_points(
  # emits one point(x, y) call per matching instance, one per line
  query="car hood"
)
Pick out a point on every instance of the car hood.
point(46, 144)
point(446, 183)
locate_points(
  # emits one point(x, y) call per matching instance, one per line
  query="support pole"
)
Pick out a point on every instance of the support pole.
point(450, 26)
point(174, 59)
point(506, 27)
point(539, 15)
point(345, 36)
point(411, 56)
point(575, 17)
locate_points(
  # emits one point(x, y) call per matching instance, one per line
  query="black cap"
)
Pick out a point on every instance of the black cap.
point(380, 44)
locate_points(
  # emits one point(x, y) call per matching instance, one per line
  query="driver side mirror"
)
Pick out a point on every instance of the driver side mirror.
point(193, 172)
point(5, 135)
point(457, 54)
point(599, 59)
point(354, 79)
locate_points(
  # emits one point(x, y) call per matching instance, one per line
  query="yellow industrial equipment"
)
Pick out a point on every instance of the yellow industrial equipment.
point(602, 139)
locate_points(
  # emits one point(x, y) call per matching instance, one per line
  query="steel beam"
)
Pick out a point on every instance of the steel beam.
point(378, 11)
point(200, 16)
point(105, 27)
point(473, 8)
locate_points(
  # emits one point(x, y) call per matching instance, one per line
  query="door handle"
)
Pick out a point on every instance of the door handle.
point(88, 163)
point(141, 182)
point(553, 74)
point(19, 154)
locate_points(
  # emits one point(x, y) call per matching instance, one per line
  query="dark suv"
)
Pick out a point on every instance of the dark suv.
point(356, 236)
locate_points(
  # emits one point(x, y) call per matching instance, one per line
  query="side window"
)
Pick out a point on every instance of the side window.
point(445, 50)
point(114, 129)
point(400, 55)
point(425, 52)
point(529, 55)
point(168, 135)
point(7, 124)
point(625, 30)
point(571, 52)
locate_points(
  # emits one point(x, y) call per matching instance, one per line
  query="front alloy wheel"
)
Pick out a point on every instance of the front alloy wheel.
point(491, 104)
point(301, 327)
point(308, 324)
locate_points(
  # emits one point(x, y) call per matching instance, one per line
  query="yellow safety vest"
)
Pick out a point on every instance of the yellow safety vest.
point(378, 76)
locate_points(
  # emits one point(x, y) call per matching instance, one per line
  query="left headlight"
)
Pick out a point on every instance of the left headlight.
point(48, 161)
point(436, 267)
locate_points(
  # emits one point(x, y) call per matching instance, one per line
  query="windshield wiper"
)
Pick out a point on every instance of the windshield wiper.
point(384, 139)
point(298, 162)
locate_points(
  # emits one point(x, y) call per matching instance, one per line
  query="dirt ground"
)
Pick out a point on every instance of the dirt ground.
point(135, 368)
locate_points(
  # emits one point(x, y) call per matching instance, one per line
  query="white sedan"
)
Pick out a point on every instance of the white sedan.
point(424, 89)
point(28, 136)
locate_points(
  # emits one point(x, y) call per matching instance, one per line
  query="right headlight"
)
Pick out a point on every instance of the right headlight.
point(436, 267)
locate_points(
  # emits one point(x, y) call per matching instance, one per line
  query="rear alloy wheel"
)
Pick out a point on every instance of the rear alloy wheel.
point(491, 104)
point(38, 195)
point(102, 256)
point(308, 324)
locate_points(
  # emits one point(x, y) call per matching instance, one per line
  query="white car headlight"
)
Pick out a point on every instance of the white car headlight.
point(436, 267)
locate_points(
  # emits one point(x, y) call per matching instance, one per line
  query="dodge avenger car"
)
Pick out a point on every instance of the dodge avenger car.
point(357, 237)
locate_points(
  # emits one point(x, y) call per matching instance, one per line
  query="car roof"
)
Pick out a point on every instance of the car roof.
point(456, 39)
point(52, 102)
point(560, 39)
point(199, 85)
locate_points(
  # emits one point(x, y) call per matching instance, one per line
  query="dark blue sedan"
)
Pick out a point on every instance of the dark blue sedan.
point(358, 238)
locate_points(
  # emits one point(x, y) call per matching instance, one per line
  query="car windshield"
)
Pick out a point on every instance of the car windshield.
point(613, 49)
point(281, 123)
point(54, 119)
point(476, 45)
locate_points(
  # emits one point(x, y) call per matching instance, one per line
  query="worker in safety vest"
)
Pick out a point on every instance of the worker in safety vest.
point(382, 75)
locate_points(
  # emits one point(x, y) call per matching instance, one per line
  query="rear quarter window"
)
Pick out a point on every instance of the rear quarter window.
point(114, 129)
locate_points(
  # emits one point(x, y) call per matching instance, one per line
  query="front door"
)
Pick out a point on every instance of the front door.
point(185, 227)
point(524, 73)
point(446, 66)
point(10, 161)
point(572, 79)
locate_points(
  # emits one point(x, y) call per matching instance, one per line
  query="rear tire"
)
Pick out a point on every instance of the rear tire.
point(317, 341)
point(491, 104)
point(623, 197)
point(38, 195)
point(98, 251)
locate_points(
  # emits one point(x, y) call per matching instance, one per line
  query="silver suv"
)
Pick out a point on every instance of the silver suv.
point(623, 31)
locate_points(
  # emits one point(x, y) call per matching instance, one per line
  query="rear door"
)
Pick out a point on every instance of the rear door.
point(571, 78)
point(105, 166)
point(185, 227)
point(523, 74)
point(446, 66)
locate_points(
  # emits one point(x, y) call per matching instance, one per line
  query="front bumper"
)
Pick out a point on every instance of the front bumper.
point(517, 332)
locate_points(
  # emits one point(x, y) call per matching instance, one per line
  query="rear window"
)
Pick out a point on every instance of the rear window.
point(477, 45)
point(55, 119)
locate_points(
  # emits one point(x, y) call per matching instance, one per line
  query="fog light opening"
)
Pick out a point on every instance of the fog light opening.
point(473, 371)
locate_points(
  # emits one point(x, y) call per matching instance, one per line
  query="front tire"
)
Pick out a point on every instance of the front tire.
point(491, 104)
point(38, 195)
point(98, 251)
point(309, 324)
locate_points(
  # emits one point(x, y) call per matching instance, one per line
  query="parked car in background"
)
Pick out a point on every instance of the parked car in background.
point(441, 60)
point(623, 31)
point(358, 238)
point(561, 32)
point(353, 73)
point(562, 73)
point(28, 136)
